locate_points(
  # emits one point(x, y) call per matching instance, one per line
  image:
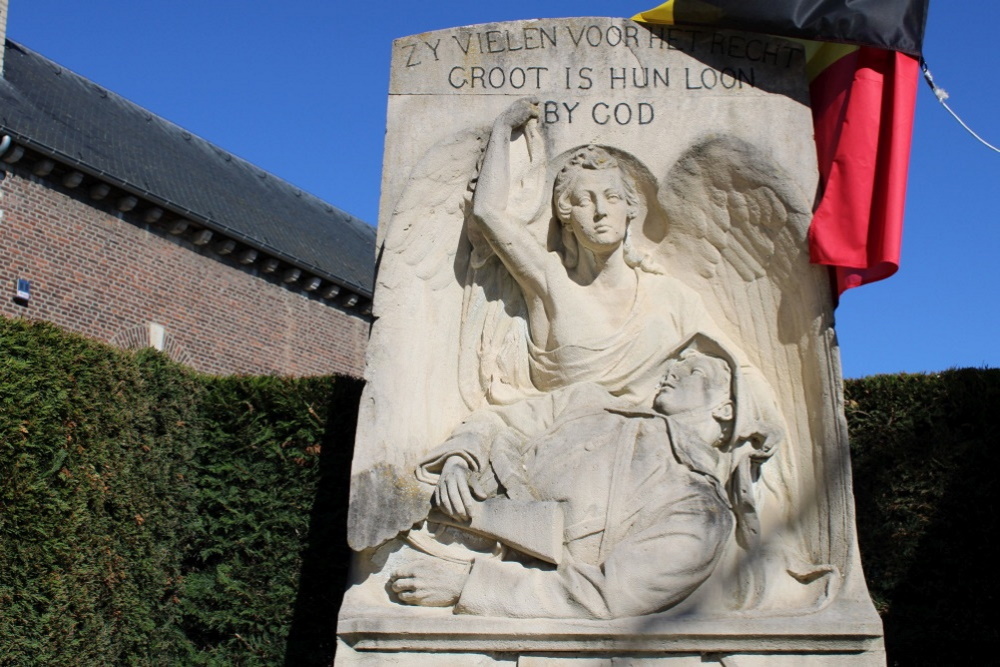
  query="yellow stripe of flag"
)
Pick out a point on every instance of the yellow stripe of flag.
point(663, 15)
point(820, 55)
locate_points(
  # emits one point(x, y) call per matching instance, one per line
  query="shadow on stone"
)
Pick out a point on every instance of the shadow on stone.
point(326, 559)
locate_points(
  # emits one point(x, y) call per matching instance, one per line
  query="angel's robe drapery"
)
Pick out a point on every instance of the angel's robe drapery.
point(629, 363)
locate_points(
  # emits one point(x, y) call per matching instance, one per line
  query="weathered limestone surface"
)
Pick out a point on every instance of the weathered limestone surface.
point(603, 419)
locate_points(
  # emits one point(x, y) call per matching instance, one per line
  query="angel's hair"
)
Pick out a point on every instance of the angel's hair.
point(596, 158)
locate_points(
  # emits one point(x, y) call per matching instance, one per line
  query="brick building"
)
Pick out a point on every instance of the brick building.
point(126, 228)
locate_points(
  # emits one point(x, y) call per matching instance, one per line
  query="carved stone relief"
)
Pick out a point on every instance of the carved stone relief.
point(603, 403)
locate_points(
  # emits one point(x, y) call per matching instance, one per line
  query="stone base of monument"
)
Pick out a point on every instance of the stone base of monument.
point(834, 635)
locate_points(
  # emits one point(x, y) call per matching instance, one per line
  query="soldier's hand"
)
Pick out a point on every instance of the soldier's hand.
point(430, 582)
point(452, 495)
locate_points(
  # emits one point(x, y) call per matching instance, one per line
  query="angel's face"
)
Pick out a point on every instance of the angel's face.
point(598, 211)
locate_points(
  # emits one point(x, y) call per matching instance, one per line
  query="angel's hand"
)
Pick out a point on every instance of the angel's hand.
point(452, 495)
point(520, 112)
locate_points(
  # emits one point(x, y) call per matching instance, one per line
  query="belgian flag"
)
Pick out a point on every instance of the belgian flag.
point(862, 59)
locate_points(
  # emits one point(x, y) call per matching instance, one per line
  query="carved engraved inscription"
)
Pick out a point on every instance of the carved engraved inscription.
point(523, 63)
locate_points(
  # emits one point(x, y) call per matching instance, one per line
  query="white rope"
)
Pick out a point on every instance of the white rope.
point(941, 96)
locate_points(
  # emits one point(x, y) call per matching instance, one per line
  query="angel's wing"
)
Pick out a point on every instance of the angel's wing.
point(439, 289)
point(493, 361)
point(412, 398)
point(736, 233)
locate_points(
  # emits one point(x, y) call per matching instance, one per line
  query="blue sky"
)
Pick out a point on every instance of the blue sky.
point(299, 88)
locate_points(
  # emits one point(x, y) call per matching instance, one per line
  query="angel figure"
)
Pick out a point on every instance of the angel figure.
point(598, 310)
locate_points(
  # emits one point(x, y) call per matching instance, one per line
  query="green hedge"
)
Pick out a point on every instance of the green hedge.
point(150, 515)
point(925, 451)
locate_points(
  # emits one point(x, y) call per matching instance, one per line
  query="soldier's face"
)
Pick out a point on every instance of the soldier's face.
point(691, 384)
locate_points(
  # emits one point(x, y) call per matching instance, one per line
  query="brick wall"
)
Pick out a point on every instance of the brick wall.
point(94, 273)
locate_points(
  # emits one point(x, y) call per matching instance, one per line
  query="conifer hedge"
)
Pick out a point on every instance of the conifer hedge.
point(150, 515)
point(925, 451)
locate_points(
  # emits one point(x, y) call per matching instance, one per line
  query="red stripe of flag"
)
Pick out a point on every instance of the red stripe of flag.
point(862, 108)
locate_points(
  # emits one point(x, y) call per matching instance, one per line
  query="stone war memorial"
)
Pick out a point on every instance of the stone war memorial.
point(603, 423)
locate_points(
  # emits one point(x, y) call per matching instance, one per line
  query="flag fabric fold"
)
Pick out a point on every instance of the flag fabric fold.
point(863, 67)
point(863, 118)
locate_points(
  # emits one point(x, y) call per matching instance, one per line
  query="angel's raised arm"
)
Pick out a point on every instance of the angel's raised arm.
point(509, 237)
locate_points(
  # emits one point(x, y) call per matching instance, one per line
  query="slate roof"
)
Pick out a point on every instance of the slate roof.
point(56, 112)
